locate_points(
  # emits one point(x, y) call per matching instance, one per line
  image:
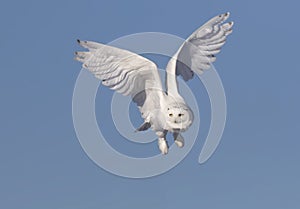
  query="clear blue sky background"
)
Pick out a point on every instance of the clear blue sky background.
point(42, 164)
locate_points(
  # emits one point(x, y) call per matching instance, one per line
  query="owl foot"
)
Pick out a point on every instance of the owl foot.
point(179, 140)
point(163, 146)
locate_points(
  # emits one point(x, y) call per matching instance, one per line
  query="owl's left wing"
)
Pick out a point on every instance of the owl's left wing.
point(121, 70)
point(198, 51)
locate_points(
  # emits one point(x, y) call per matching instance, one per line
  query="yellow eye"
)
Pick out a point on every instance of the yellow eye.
point(171, 115)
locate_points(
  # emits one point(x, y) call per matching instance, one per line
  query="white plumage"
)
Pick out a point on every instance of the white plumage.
point(131, 74)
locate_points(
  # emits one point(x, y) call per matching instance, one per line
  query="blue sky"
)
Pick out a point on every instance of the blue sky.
point(42, 164)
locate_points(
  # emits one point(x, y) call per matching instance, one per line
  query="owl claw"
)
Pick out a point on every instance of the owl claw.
point(163, 146)
point(179, 144)
point(179, 140)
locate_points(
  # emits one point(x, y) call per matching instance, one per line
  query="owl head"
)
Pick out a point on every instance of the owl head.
point(179, 116)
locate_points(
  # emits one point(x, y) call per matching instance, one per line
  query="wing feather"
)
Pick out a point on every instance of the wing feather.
point(120, 70)
point(198, 51)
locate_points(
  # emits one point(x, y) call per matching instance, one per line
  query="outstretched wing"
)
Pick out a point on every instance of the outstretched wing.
point(120, 70)
point(198, 51)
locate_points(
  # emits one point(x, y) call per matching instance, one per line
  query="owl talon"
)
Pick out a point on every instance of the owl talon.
point(179, 140)
point(179, 144)
point(163, 146)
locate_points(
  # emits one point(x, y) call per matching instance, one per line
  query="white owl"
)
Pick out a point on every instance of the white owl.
point(131, 74)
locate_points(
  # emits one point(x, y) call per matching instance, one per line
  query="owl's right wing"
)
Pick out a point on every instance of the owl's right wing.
point(121, 70)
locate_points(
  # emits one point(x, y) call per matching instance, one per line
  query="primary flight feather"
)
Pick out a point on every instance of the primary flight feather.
point(133, 75)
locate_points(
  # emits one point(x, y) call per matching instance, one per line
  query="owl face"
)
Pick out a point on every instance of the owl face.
point(179, 117)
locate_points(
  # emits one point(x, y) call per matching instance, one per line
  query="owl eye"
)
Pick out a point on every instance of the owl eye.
point(180, 114)
point(171, 115)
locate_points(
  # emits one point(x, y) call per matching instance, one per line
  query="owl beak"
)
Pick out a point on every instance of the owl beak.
point(177, 122)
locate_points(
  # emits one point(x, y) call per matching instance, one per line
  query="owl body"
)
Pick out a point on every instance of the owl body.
point(171, 114)
point(133, 75)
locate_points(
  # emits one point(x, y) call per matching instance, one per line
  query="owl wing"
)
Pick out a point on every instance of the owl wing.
point(121, 70)
point(198, 51)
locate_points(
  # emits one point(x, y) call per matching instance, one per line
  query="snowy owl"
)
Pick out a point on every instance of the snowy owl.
point(133, 75)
